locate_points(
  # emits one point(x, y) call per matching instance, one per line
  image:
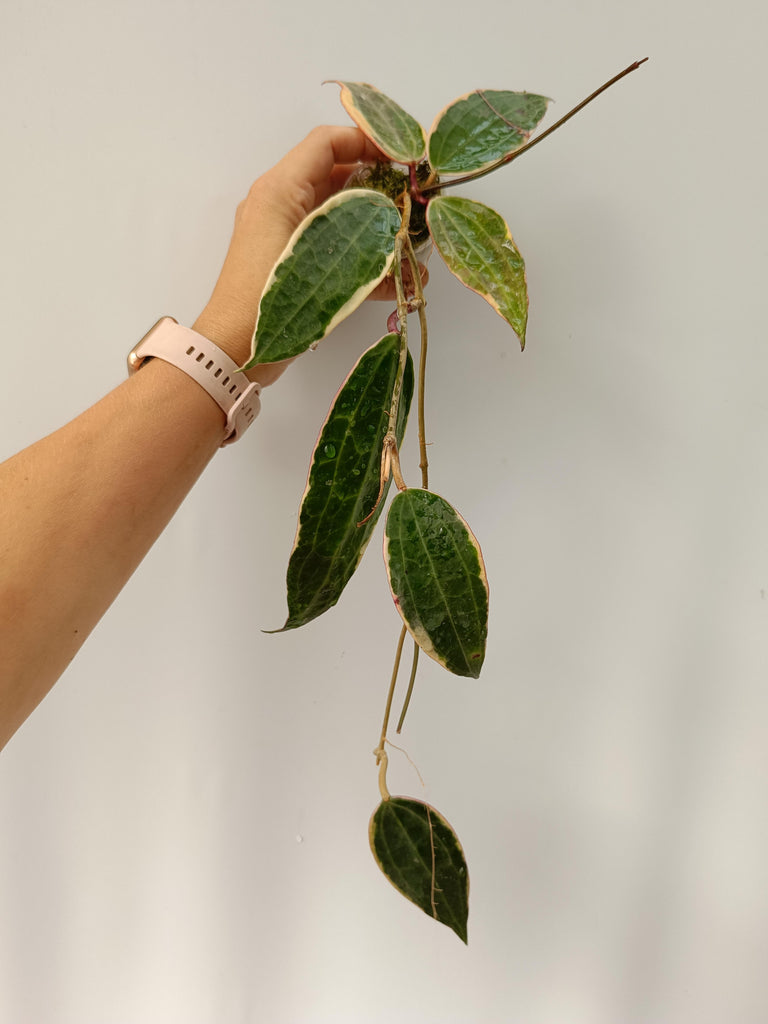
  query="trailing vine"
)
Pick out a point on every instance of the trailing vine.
point(335, 259)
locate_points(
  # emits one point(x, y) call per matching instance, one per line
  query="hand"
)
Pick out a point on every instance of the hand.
point(276, 204)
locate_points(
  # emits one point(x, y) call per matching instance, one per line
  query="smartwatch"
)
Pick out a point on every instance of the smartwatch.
point(204, 362)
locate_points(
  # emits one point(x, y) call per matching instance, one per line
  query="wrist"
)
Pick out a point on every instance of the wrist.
point(234, 334)
point(231, 333)
point(208, 365)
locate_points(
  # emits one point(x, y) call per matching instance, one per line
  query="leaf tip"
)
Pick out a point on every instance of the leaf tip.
point(292, 622)
point(476, 664)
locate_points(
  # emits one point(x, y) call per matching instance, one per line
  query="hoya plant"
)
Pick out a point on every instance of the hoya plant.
point(376, 228)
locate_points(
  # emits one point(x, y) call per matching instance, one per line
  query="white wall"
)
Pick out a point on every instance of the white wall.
point(607, 773)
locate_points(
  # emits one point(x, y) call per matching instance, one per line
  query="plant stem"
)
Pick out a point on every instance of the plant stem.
point(390, 451)
point(382, 760)
point(393, 680)
point(390, 454)
point(421, 306)
point(391, 458)
point(424, 462)
point(409, 691)
point(401, 242)
point(380, 753)
point(539, 138)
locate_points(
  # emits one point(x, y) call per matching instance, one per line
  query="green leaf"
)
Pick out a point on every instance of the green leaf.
point(343, 482)
point(438, 579)
point(480, 128)
point(421, 856)
point(334, 260)
point(387, 125)
point(478, 248)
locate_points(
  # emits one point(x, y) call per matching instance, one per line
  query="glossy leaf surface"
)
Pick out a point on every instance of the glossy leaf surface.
point(438, 579)
point(333, 261)
point(386, 124)
point(343, 482)
point(482, 127)
point(421, 856)
point(478, 248)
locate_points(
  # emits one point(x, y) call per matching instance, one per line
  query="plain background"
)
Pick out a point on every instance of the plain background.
point(183, 823)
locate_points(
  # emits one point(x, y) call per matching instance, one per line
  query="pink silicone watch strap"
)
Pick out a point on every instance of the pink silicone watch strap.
point(205, 363)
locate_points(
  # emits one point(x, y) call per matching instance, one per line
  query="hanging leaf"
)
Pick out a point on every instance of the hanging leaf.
point(478, 248)
point(343, 482)
point(438, 579)
point(334, 260)
point(398, 135)
point(480, 128)
point(421, 856)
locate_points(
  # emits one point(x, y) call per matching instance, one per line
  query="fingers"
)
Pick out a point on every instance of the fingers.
point(342, 173)
point(314, 159)
point(276, 204)
point(324, 160)
point(349, 145)
point(338, 178)
point(386, 292)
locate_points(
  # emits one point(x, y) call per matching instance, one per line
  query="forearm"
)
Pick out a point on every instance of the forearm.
point(78, 512)
point(81, 508)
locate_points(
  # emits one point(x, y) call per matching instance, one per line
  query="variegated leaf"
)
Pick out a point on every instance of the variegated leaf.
point(343, 482)
point(438, 580)
point(334, 260)
point(422, 857)
point(481, 127)
point(478, 248)
point(398, 135)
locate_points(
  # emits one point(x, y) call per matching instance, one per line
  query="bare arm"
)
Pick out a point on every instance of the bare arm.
point(80, 508)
